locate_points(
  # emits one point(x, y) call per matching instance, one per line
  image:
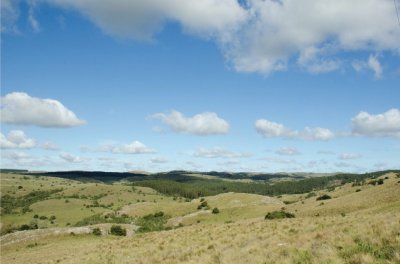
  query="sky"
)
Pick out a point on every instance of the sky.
point(159, 85)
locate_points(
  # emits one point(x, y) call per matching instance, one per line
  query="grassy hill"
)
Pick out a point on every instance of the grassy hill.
point(359, 223)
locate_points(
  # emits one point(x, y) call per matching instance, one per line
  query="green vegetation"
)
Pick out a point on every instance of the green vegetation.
point(323, 197)
point(152, 222)
point(215, 210)
point(192, 187)
point(10, 203)
point(279, 215)
point(117, 230)
point(108, 218)
point(355, 227)
point(96, 231)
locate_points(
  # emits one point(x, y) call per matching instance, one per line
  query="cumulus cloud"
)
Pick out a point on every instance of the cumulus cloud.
point(72, 158)
point(203, 124)
point(349, 156)
point(379, 125)
point(269, 129)
point(255, 35)
point(22, 109)
point(16, 139)
point(218, 152)
point(287, 151)
point(135, 147)
point(19, 159)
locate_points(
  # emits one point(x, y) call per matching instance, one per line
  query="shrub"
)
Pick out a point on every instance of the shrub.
point(358, 190)
point(43, 217)
point(96, 231)
point(52, 218)
point(380, 181)
point(20, 187)
point(324, 197)
point(151, 222)
point(203, 205)
point(117, 230)
point(159, 214)
point(279, 215)
point(215, 210)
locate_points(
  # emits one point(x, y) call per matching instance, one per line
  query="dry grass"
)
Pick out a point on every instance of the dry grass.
point(353, 227)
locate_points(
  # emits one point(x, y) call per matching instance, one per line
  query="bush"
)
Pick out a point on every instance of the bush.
point(324, 197)
point(151, 222)
point(96, 231)
point(117, 230)
point(203, 205)
point(159, 214)
point(380, 181)
point(215, 210)
point(279, 215)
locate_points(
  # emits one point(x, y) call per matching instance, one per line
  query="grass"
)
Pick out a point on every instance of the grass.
point(352, 227)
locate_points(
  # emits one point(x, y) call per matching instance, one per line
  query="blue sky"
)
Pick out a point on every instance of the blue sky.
point(207, 87)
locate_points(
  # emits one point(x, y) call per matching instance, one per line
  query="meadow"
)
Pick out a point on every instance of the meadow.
point(47, 219)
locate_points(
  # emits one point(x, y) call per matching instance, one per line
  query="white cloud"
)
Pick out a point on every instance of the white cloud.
point(372, 64)
point(288, 151)
point(20, 160)
point(22, 109)
point(379, 125)
point(141, 19)
point(279, 30)
point(72, 158)
point(218, 152)
point(349, 156)
point(135, 147)
point(16, 139)
point(49, 146)
point(228, 163)
point(271, 129)
point(375, 66)
point(207, 123)
point(9, 15)
point(256, 35)
point(158, 160)
point(31, 16)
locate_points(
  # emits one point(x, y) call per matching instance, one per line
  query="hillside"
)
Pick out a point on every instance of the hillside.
point(359, 224)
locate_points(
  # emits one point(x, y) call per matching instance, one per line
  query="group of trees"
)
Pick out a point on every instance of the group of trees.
point(10, 203)
point(192, 187)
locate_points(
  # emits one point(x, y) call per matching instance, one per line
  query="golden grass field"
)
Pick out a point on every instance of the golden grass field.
point(352, 227)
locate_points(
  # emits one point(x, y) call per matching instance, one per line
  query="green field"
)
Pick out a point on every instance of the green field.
point(48, 219)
